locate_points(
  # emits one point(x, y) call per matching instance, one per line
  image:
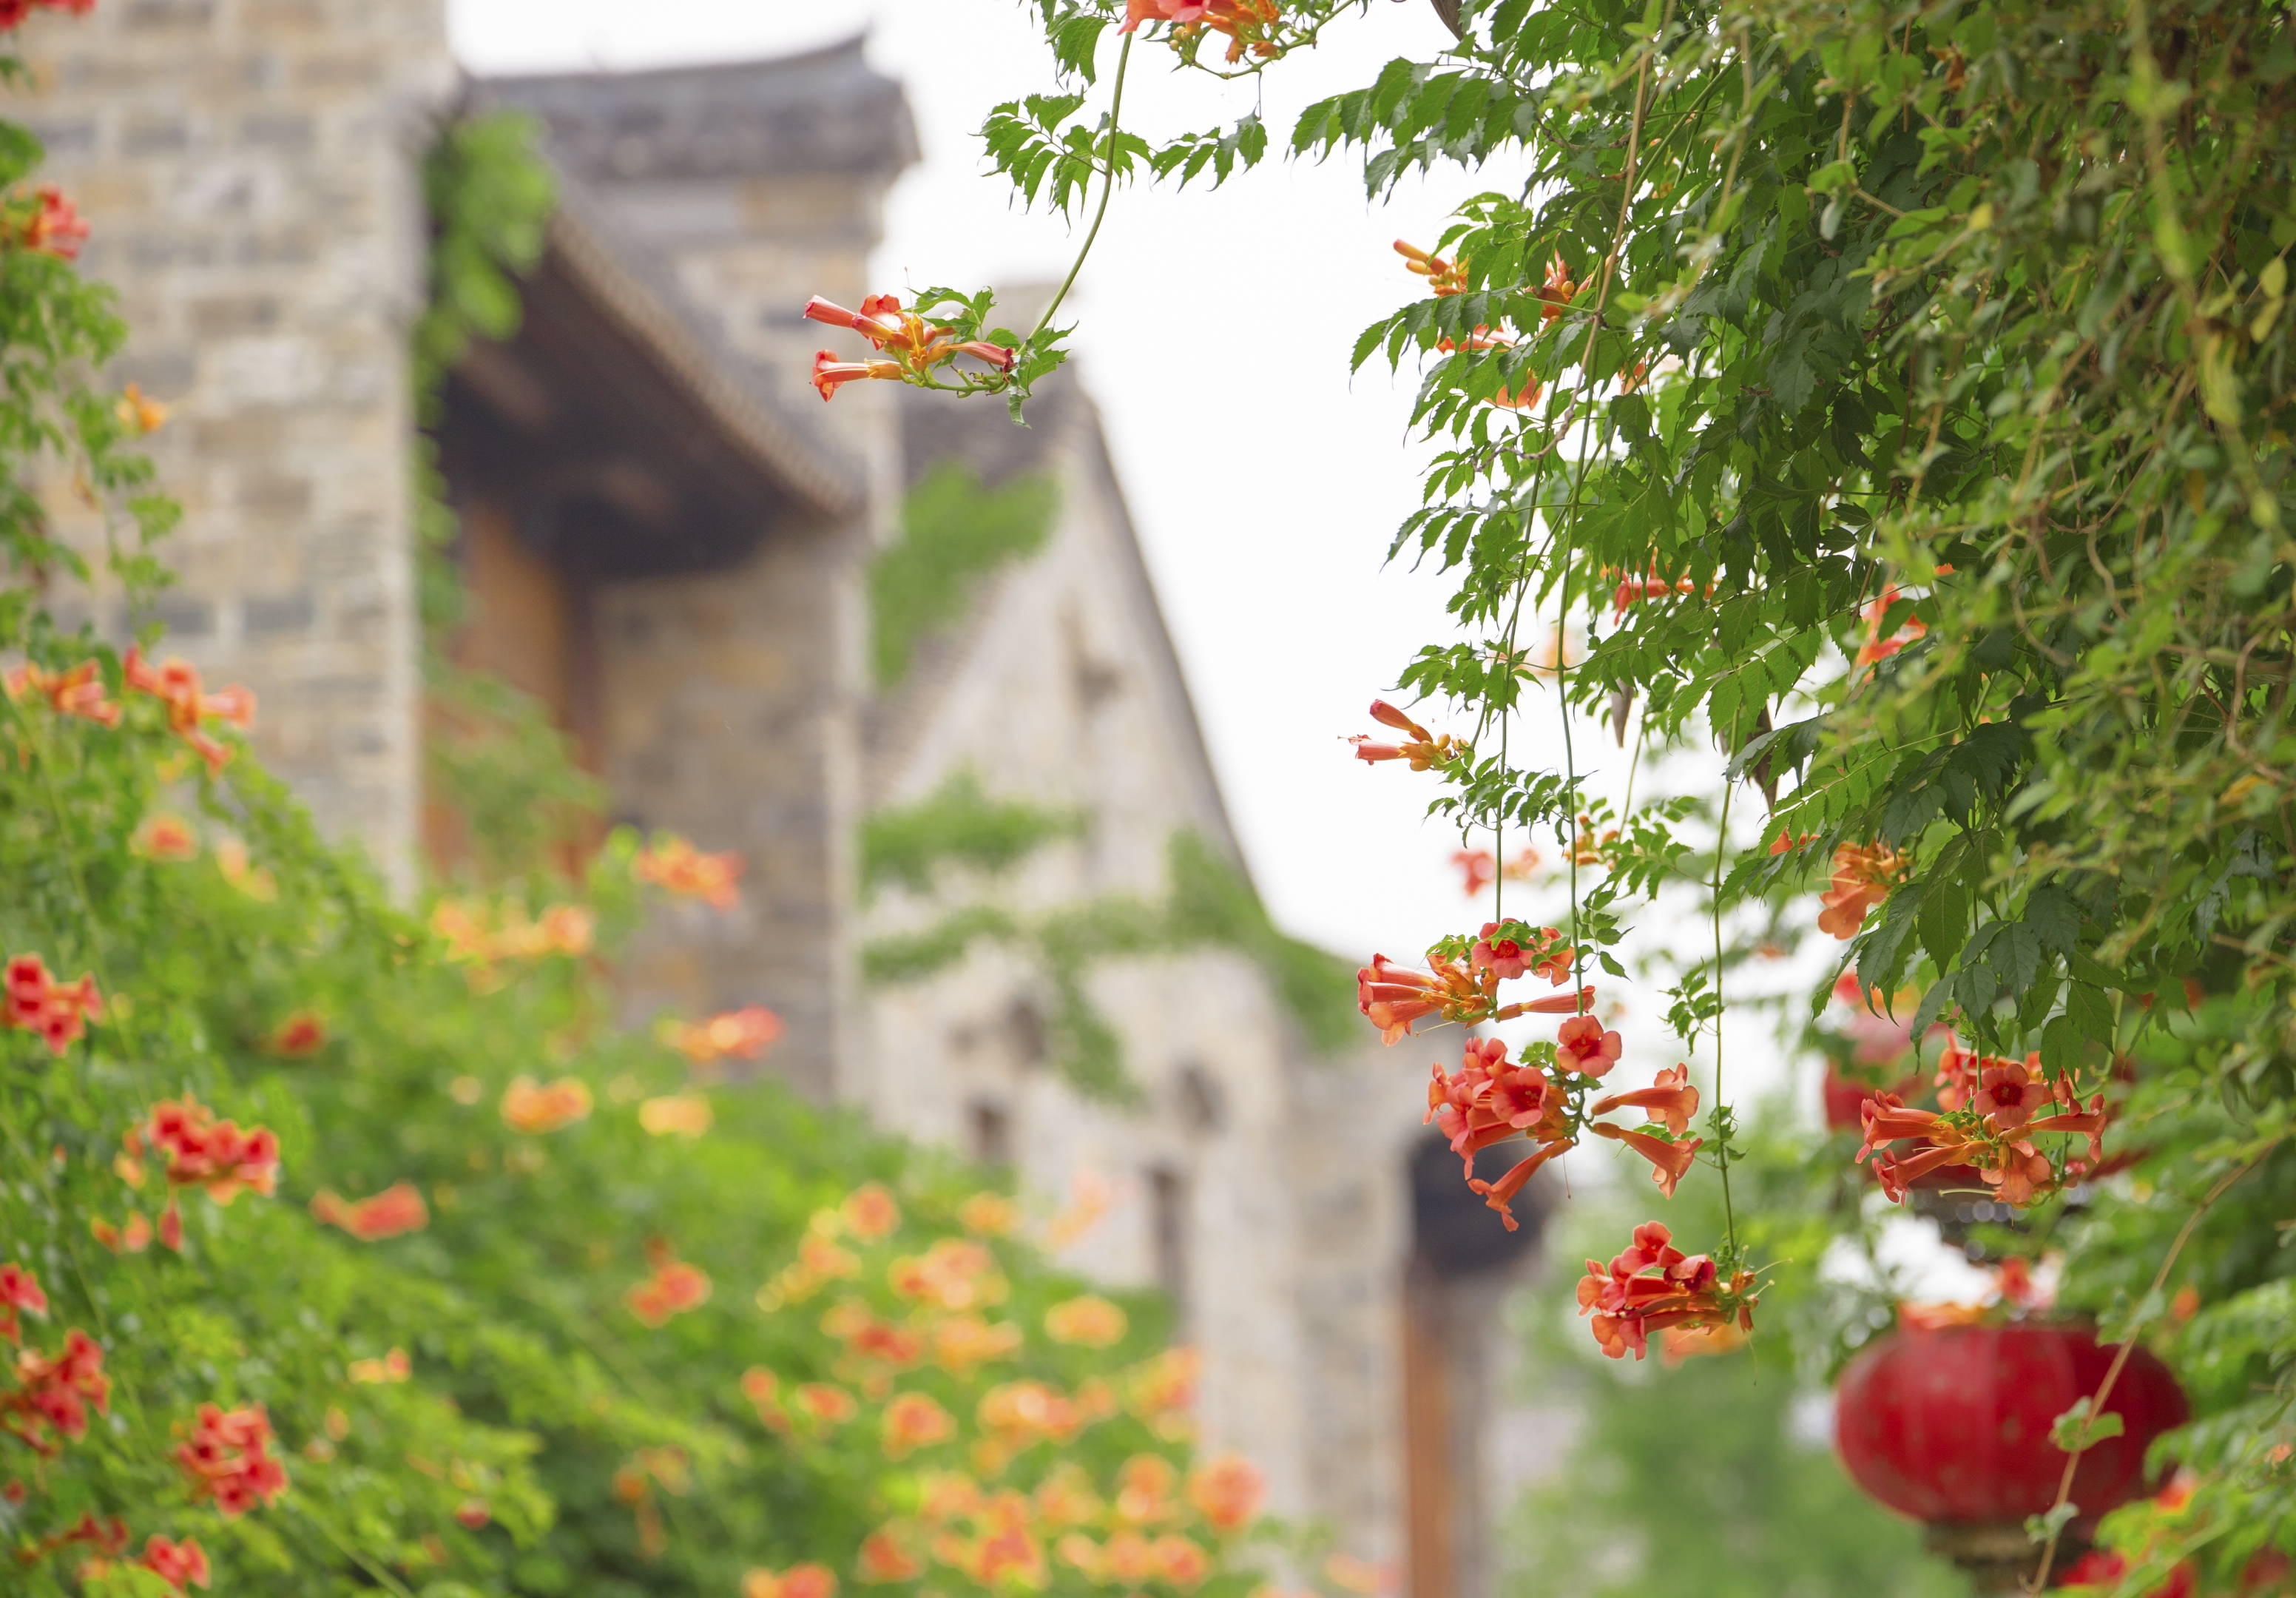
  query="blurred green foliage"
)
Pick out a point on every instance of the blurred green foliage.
point(955, 534)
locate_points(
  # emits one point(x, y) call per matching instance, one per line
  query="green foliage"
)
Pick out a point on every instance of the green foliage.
point(493, 1396)
point(1209, 904)
point(496, 761)
point(491, 195)
point(955, 534)
point(957, 824)
point(1896, 396)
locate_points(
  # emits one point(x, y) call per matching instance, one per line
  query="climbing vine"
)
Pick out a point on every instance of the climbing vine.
point(1886, 404)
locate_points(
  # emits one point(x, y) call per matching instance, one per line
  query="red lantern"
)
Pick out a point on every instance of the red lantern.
point(1952, 1426)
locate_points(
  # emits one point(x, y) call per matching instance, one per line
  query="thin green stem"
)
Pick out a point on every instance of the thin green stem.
point(1722, 1147)
point(1107, 188)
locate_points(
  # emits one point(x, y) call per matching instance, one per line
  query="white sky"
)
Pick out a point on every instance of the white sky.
point(1214, 331)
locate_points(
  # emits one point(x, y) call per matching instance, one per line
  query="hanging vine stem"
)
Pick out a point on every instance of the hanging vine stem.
point(1107, 188)
point(2057, 1516)
point(1722, 1126)
point(1629, 178)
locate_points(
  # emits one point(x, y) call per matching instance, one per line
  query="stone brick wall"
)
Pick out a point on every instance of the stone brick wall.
point(732, 700)
point(249, 169)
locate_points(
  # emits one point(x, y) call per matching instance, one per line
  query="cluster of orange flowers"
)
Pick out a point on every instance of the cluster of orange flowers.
point(175, 684)
point(1491, 1099)
point(45, 220)
point(1863, 877)
point(227, 1458)
point(394, 1212)
point(538, 1108)
point(674, 1287)
point(743, 1034)
point(20, 1289)
point(1633, 590)
point(58, 1011)
point(1652, 1286)
point(1395, 998)
point(50, 1402)
point(1479, 868)
point(1138, 1535)
point(180, 1565)
point(560, 929)
point(1987, 1125)
point(1422, 747)
point(1446, 278)
point(911, 347)
point(78, 692)
point(203, 1152)
point(1248, 25)
point(676, 866)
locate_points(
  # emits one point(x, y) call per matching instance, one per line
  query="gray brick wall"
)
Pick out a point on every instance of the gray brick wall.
point(249, 169)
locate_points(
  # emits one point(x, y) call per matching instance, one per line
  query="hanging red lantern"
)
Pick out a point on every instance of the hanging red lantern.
point(1951, 1427)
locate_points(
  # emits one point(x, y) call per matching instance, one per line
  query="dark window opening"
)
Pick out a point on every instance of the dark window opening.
point(1204, 1105)
point(992, 1133)
point(1168, 1220)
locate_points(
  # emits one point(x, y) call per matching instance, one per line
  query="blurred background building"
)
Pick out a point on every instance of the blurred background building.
point(668, 543)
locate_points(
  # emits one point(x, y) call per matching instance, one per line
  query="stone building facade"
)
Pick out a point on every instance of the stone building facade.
point(251, 169)
point(668, 540)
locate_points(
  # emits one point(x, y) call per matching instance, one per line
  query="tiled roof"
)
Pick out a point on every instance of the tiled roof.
point(827, 110)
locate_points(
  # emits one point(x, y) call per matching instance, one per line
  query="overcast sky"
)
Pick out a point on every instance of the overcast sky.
point(1214, 330)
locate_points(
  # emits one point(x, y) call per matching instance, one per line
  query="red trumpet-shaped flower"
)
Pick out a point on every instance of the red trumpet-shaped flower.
point(54, 227)
point(394, 1212)
point(1422, 747)
point(908, 345)
point(203, 1152)
point(831, 374)
point(1582, 1045)
point(1510, 948)
point(228, 1459)
point(20, 1289)
point(1444, 277)
point(1671, 1099)
point(743, 1034)
point(79, 691)
point(1651, 1285)
point(1500, 1195)
point(1862, 879)
point(1671, 1161)
point(1557, 291)
point(2009, 1091)
point(35, 1002)
point(54, 1393)
point(1246, 24)
point(676, 864)
point(176, 685)
point(1633, 590)
point(1878, 648)
point(181, 1565)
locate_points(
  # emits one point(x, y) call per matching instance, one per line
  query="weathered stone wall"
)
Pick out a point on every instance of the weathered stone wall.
point(250, 172)
point(732, 700)
point(728, 716)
